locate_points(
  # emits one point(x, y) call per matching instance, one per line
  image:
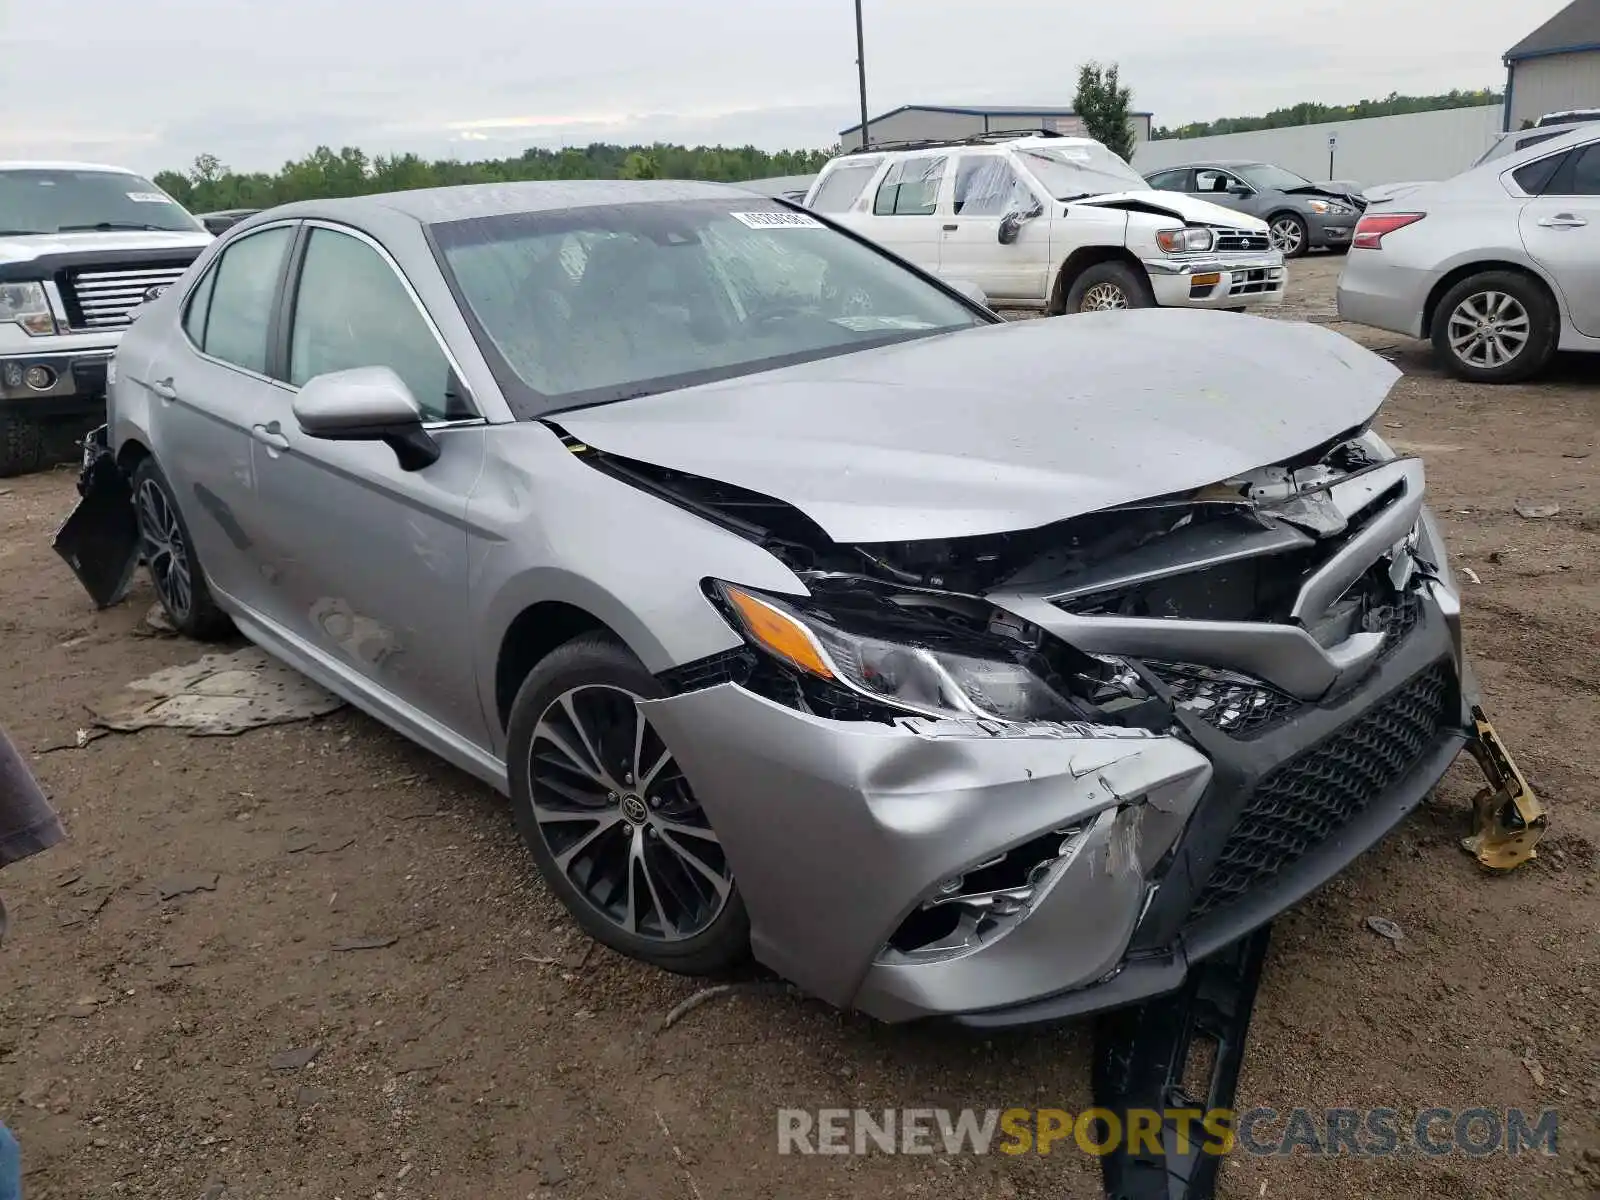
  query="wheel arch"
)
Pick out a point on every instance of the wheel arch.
point(1079, 261)
point(1465, 271)
point(533, 633)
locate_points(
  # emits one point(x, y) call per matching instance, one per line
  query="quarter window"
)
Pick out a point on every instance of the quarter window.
point(194, 321)
point(910, 189)
point(840, 186)
point(1533, 178)
point(1169, 181)
point(1579, 175)
point(352, 310)
point(239, 307)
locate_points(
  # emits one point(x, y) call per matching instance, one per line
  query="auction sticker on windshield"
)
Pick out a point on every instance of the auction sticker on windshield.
point(148, 198)
point(777, 220)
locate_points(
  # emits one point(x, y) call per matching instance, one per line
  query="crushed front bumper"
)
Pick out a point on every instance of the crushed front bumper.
point(1221, 281)
point(840, 831)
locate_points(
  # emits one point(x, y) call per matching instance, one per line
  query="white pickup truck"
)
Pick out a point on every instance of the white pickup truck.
point(81, 248)
point(1049, 222)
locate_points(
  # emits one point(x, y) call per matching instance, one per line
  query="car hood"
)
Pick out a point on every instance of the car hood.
point(1179, 204)
point(1008, 427)
point(26, 249)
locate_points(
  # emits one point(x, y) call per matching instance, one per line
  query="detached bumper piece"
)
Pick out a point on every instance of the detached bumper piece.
point(1508, 819)
point(1146, 1060)
point(100, 539)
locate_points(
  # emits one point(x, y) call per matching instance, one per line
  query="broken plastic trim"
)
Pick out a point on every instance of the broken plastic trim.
point(1508, 819)
point(100, 538)
point(1145, 1060)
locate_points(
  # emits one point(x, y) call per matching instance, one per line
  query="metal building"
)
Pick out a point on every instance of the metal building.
point(1556, 67)
point(938, 122)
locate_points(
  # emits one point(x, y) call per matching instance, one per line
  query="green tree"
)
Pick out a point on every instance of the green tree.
point(1309, 113)
point(640, 165)
point(1104, 106)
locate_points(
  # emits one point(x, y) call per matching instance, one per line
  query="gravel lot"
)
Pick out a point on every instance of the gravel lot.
point(489, 1052)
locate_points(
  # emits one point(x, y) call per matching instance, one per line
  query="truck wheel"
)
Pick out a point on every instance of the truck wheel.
point(1497, 327)
point(1109, 285)
point(21, 445)
point(169, 556)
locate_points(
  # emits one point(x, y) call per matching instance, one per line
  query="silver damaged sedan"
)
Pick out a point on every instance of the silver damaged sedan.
point(800, 605)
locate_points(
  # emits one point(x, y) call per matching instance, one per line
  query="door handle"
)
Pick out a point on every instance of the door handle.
point(1563, 221)
point(951, 228)
point(164, 388)
point(269, 436)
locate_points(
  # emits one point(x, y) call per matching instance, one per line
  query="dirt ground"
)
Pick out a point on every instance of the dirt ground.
point(488, 1051)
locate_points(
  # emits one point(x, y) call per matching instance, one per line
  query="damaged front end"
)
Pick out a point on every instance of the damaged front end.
point(100, 538)
point(1055, 767)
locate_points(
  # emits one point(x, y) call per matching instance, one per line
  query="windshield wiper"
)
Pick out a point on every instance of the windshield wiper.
point(22, 232)
point(110, 226)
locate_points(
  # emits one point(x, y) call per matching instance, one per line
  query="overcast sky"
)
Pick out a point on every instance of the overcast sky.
point(150, 84)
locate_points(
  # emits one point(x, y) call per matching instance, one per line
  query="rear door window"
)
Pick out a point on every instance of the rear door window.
point(911, 188)
point(241, 298)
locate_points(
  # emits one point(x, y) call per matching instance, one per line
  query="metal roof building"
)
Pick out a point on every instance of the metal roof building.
point(939, 122)
point(1556, 67)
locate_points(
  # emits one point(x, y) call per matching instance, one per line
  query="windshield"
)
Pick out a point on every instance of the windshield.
point(589, 305)
point(1072, 172)
point(64, 201)
point(1267, 178)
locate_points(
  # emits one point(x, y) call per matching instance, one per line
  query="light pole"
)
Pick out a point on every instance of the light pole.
point(861, 71)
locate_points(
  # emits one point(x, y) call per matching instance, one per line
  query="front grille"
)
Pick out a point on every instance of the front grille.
point(1239, 706)
point(1254, 282)
point(1242, 239)
point(1303, 802)
point(103, 299)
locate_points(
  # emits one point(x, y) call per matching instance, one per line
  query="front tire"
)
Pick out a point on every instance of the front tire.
point(170, 557)
point(1497, 327)
point(610, 820)
point(1290, 235)
point(1109, 286)
point(21, 445)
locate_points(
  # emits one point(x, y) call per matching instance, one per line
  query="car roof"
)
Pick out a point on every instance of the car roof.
point(1026, 142)
point(64, 166)
point(430, 206)
point(1211, 162)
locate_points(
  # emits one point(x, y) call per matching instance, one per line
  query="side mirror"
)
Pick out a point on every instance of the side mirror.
point(1241, 190)
point(367, 404)
point(970, 290)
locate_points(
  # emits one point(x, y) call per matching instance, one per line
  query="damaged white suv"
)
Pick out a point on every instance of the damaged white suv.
point(1051, 222)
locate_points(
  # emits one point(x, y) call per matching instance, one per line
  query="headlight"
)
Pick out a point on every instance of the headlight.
point(1328, 208)
point(25, 303)
point(918, 679)
point(1185, 241)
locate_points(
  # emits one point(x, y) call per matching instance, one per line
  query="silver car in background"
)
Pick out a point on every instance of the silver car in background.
point(799, 604)
point(1499, 267)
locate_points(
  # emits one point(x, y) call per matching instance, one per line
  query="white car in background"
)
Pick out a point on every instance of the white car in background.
point(1500, 266)
point(1048, 222)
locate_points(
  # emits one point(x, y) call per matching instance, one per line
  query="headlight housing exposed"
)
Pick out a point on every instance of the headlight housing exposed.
point(1190, 240)
point(923, 679)
point(27, 305)
point(1329, 208)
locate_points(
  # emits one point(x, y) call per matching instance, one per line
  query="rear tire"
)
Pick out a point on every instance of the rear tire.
point(171, 559)
point(21, 445)
point(1109, 286)
point(610, 820)
point(1497, 327)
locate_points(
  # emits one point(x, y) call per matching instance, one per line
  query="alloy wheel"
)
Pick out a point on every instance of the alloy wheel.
point(1287, 235)
point(1489, 329)
point(619, 818)
point(164, 549)
point(1104, 296)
